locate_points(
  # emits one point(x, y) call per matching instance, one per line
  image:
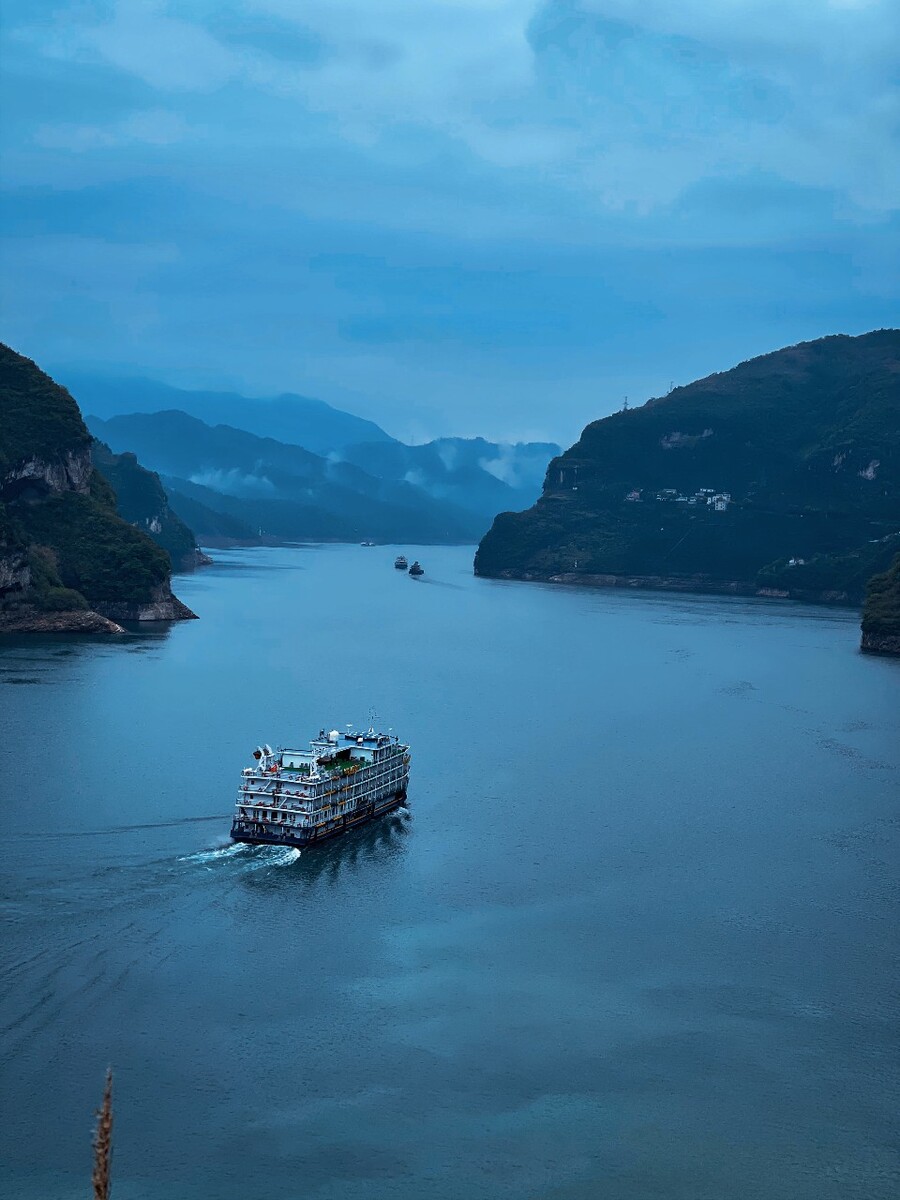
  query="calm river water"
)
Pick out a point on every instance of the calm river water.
point(633, 938)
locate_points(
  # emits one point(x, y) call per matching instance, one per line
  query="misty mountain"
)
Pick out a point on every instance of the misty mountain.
point(297, 420)
point(141, 500)
point(212, 526)
point(286, 491)
point(447, 490)
point(483, 477)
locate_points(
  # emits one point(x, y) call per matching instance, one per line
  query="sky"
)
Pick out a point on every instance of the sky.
point(494, 217)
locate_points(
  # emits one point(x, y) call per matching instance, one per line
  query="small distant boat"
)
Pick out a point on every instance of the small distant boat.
point(367, 543)
point(416, 569)
point(400, 562)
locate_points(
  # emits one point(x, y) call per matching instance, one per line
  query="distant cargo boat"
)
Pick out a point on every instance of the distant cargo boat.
point(400, 562)
point(416, 569)
point(300, 797)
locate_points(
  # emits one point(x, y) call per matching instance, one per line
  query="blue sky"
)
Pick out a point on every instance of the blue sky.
point(452, 216)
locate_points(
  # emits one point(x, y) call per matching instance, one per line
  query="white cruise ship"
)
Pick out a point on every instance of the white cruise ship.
point(300, 797)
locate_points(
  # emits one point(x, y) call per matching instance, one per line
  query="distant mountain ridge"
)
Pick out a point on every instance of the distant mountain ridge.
point(285, 491)
point(294, 419)
point(448, 490)
point(483, 477)
point(802, 445)
point(141, 500)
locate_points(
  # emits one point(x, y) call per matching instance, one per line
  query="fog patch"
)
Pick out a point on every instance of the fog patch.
point(522, 465)
point(449, 455)
point(234, 482)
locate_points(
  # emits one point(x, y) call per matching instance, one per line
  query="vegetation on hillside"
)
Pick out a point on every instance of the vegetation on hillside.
point(141, 500)
point(76, 548)
point(207, 524)
point(845, 574)
point(96, 553)
point(881, 612)
point(806, 441)
point(47, 591)
point(38, 418)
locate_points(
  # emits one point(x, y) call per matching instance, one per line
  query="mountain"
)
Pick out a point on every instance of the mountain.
point(881, 613)
point(483, 477)
point(214, 528)
point(286, 491)
point(67, 560)
point(297, 420)
point(141, 500)
point(758, 479)
point(477, 476)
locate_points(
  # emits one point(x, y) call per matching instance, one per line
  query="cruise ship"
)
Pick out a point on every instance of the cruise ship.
point(301, 797)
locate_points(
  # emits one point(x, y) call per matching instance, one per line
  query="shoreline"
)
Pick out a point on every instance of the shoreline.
point(76, 621)
point(695, 585)
point(885, 645)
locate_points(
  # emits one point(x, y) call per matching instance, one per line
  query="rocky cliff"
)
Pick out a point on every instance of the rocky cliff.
point(67, 560)
point(881, 613)
point(780, 477)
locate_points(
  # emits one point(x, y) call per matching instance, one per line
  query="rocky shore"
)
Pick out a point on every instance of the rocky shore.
point(696, 584)
point(881, 643)
point(881, 613)
point(163, 606)
point(26, 620)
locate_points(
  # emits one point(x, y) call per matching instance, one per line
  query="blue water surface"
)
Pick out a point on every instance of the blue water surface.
point(635, 936)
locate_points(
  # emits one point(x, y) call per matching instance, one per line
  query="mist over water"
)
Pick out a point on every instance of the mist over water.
point(632, 938)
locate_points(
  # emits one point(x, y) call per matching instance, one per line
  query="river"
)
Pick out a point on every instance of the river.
point(633, 937)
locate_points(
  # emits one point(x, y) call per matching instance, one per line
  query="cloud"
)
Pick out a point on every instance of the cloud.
point(805, 91)
point(502, 467)
point(448, 453)
point(457, 216)
point(234, 482)
point(625, 103)
point(517, 465)
point(151, 127)
point(140, 37)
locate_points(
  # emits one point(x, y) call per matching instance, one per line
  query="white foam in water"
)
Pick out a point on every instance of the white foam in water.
point(256, 856)
point(284, 857)
point(203, 856)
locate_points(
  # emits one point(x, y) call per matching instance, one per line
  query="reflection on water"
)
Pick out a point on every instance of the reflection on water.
point(373, 845)
point(378, 842)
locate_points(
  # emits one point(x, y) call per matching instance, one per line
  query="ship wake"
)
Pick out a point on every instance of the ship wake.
point(254, 857)
point(216, 854)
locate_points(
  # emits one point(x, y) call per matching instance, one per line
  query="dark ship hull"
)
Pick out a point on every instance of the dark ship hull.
point(259, 834)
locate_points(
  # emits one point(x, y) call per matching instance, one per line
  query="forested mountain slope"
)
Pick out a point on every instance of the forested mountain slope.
point(801, 447)
point(67, 559)
point(881, 612)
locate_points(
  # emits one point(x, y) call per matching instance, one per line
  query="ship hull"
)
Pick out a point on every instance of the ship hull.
point(254, 833)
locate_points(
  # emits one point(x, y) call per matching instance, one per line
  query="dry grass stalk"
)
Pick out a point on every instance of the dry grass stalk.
point(103, 1143)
